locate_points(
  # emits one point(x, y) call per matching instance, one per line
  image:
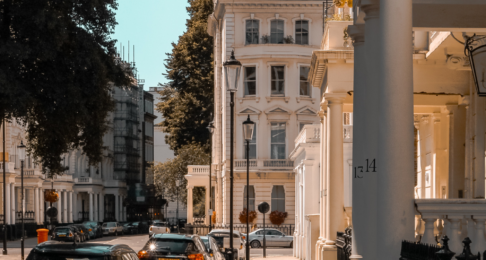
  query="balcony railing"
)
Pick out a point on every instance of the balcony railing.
point(242, 163)
point(265, 164)
point(87, 180)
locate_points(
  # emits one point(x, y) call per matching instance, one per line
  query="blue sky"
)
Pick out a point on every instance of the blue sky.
point(150, 25)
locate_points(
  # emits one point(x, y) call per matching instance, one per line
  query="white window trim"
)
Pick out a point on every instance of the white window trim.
point(242, 80)
point(286, 82)
point(310, 31)
point(270, 138)
point(259, 28)
point(285, 192)
point(298, 80)
point(269, 24)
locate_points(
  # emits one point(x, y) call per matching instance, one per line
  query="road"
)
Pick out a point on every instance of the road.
point(134, 241)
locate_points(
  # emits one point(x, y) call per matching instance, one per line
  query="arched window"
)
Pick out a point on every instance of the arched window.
point(252, 31)
point(278, 198)
point(276, 31)
point(251, 197)
point(302, 32)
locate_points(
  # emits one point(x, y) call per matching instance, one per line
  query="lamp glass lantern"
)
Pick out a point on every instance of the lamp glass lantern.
point(475, 49)
point(248, 128)
point(21, 149)
point(232, 69)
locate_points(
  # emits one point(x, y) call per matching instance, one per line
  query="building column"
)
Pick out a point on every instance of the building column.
point(36, 205)
point(41, 206)
point(359, 219)
point(8, 213)
point(75, 206)
point(59, 206)
point(219, 203)
point(102, 207)
point(117, 207)
point(91, 208)
point(190, 214)
point(13, 202)
point(64, 207)
point(479, 131)
point(335, 174)
point(207, 205)
point(70, 213)
point(396, 214)
point(95, 207)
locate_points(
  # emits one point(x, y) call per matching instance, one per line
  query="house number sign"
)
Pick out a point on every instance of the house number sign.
point(370, 167)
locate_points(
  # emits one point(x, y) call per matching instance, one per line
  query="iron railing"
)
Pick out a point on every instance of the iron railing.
point(343, 243)
point(202, 230)
point(83, 216)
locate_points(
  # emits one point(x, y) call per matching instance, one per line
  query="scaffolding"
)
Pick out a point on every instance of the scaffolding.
point(126, 134)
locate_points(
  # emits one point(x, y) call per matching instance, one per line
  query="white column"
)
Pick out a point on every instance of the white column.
point(91, 208)
point(190, 214)
point(70, 213)
point(95, 208)
point(360, 209)
point(335, 174)
point(64, 207)
point(59, 206)
point(75, 206)
point(117, 207)
point(36, 204)
point(207, 205)
point(41, 206)
point(428, 237)
point(12, 202)
point(479, 168)
point(479, 241)
point(102, 207)
point(396, 214)
point(8, 213)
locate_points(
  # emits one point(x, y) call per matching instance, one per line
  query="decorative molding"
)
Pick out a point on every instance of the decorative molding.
point(298, 99)
point(250, 110)
point(278, 110)
point(306, 111)
point(286, 99)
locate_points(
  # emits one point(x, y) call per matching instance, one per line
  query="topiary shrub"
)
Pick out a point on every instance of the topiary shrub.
point(277, 217)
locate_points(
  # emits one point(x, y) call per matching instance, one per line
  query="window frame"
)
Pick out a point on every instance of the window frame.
point(308, 31)
point(299, 81)
point(285, 142)
point(277, 198)
point(244, 79)
point(269, 21)
point(259, 28)
point(302, 18)
point(252, 200)
point(284, 79)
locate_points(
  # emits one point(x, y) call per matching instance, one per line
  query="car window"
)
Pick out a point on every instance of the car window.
point(223, 235)
point(276, 233)
point(172, 246)
point(111, 224)
point(200, 244)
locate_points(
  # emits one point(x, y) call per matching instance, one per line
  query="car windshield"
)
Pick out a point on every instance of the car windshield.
point(111, 224)
point(62, 230)
point(58, 256)
point(173, 246)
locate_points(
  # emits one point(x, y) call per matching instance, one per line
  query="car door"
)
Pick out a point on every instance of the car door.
point(270, 238)
point(280, 239)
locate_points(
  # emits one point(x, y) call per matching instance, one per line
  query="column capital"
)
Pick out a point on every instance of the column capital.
point(371, 8)
point(335, 98)
point(357, 33)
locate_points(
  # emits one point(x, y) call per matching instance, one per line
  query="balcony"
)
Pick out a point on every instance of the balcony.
point(198, 169)
point(265, 164)
point(9, 167)
point(309, 134)
point(87, 180)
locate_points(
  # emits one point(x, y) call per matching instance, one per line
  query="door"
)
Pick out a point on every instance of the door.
point(270, 238)
point(280, 239)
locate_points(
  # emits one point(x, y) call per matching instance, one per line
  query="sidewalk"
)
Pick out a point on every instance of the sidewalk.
point(13, 248)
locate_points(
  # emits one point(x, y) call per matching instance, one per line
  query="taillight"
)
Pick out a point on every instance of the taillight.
point(81, 231)
point(243, 237)
point(142, 254)
point(150, 228)
point(90, 230)
point(70, 234)
point(196, 256)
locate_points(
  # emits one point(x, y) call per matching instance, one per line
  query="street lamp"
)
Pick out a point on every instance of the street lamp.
point(4, 251)
point(21, 150)
point(248, 128)
point(211, 131)
point(475, 49)
point(178, 182)
point(232, 68)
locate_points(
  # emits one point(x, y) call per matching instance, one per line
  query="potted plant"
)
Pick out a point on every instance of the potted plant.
point(277, 217)
point(289, 39)
point(265, 39)
point(251, 216)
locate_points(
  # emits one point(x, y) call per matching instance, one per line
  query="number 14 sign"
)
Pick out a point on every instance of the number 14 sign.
point(370, 167)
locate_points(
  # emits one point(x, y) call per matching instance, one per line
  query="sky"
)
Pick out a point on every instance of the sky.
point(150, 25)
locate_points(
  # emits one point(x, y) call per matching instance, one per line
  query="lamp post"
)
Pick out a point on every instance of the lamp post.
point(211, 131)
point(232, 68)
point(248, 128)
point(475, 49)
point(178, 182)
point(4, 252)
point(21, 149)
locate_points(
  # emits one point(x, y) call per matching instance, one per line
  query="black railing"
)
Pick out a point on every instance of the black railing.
point(83, 216)
point(109, 216)
point(287, 229)
point(418, 251)
point(343, 243)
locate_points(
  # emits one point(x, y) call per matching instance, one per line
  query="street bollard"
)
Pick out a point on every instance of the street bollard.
point(42, 235)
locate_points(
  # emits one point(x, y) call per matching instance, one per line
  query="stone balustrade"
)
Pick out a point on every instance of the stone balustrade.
point(87, 180)
point(9, 166)
point(309, 134)
point(456, 218)
point(268, 164)
point(198, 169)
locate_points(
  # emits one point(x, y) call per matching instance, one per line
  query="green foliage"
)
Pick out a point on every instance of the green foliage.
point(187, 100)
point(168, 172)
point(56, 66)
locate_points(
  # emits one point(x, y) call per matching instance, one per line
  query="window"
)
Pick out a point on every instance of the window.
point(278, 198)
point(278, 80)
point(276, 31)
point(304, 82)
point(302, 32)
point(250, 81)
point(252, 28)
point(278, 141)
point(251, 197)
point(253, 145)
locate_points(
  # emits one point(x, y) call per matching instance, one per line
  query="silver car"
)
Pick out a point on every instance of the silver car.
point(273, 238)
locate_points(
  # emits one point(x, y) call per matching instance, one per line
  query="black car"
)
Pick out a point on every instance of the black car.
point(52, 250)
point(67, 233)
point(143, 227)
point(175, 246)
point(130, 228)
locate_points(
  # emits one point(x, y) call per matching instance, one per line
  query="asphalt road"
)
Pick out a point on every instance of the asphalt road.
point(134, 241)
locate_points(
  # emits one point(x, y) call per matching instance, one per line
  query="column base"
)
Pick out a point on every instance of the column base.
point(355, 257)
point(329, 252)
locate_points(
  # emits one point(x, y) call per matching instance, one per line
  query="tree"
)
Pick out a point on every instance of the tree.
point(56, 70)
point(187, 100)
point(174, 169)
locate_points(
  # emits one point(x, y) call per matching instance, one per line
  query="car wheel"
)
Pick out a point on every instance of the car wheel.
point(255, 244)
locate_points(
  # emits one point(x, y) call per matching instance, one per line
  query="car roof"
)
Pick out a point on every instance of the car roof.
point(80, 248)
point(261, 229)
point(224, 231)
point(174, 236)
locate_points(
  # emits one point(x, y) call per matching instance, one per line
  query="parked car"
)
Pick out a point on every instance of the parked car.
point(84, 231)
point(112, 228)
point(273, 238)
point(159, 228)
point(238, 241)
point(67, 233)
point(96, 227)
point(129, 228)
point(174, 246)
point(52, 250)
point(143, 227)
point(81, 235)
point(212, 248)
